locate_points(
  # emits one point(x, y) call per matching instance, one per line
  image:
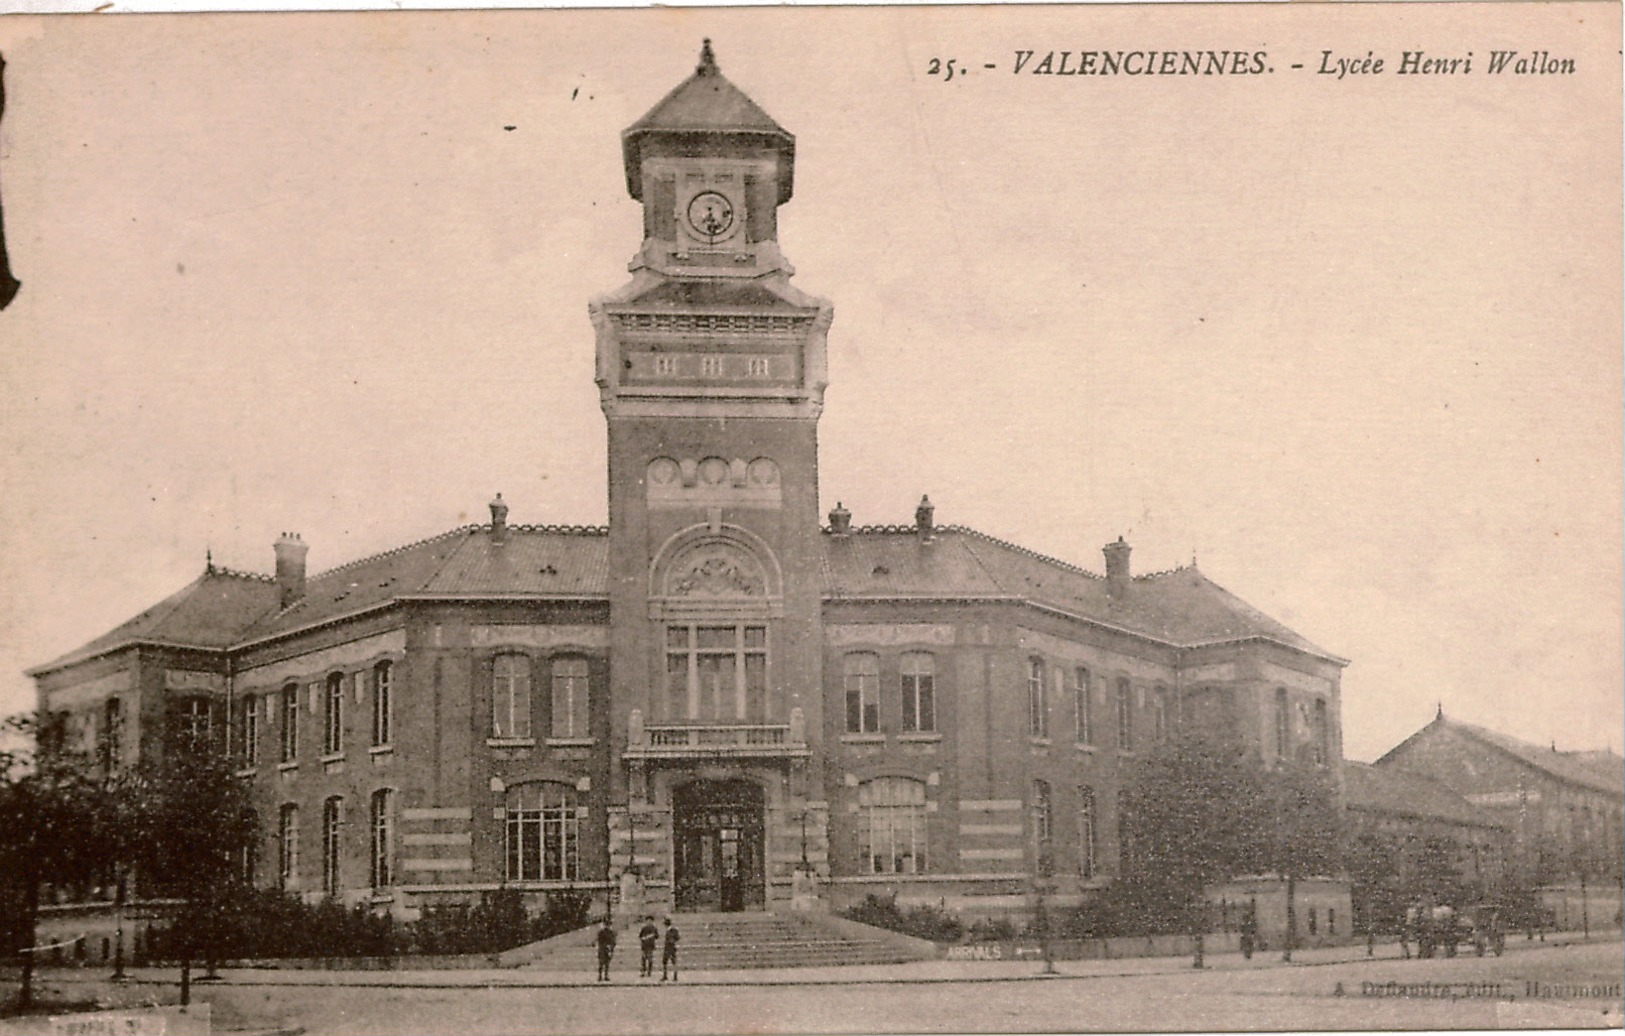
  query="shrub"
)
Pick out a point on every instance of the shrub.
point(988, 930)
point(268, 924)
point(921, 922)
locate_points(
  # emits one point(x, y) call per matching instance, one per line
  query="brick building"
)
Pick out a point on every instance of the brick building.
point(1410, 815)
point(720, 686)
point(1565, 811)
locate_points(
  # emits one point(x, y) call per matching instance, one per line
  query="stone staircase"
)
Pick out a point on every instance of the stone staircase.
point(755, 939)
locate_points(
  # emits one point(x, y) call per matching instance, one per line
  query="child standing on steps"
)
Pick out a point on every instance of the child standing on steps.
point(668, 954)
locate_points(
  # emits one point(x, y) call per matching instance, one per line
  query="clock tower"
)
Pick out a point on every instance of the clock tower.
point(711, 371)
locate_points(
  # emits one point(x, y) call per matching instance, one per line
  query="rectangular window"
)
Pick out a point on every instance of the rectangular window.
point(1042, 826)
point(333, 715)
point(383, 677)
point(1125, 716)
point(1159, 713)
point(193, 723)
point(542, 830)
point(383, 839)
point(112, 734)
point(510, 696)
point(1081, 706)
point(892, 826)
point(919, 692)
point(1321, 733)
point(1283, 725)
point(249, 724)
point(332, 845)
point(862, 693)
point(1086, 832)
point(288, 847)
point(569, 697)
point(290, 723)
point(1037, 705)
point(717, 673)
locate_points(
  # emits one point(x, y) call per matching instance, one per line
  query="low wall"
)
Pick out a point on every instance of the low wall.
point(412, 962)
point(1120, 948)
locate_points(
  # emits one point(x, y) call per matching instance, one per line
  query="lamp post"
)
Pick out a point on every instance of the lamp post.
point(118, 933)
point(806, 866)
point(1041, 885)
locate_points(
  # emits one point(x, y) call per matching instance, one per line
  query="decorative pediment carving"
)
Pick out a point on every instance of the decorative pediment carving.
point(715, 574)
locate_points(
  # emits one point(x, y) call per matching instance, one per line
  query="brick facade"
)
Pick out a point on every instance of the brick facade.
point(918, 709)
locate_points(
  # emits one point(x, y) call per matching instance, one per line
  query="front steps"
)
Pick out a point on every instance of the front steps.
point(756, 939)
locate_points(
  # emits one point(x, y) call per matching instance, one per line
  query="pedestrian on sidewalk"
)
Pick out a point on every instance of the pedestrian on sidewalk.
point(648, 939)
point(668, 952)
point(606, 949)
point(1249, 933)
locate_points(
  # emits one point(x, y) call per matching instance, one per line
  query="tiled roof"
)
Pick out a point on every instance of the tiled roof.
point(1181, 607)
point(535, 561)
point(1376, 789)
point(705, 103)
point(565, 561)
point(362, 584)
point(210, 612)
point(1601, 771)
point(867, 564)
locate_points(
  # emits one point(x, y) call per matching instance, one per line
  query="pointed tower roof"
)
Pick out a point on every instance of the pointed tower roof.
point(706, 105)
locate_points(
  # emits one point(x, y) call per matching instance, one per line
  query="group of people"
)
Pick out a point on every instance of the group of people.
point(649, 937)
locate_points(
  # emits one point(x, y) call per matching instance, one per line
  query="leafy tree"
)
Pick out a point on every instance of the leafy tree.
point(1375, 882)
point(1187, 824)
point(1301, 831)
point(1202, 808)
point(52, 830)
point(186, 821)
point(1434, 874)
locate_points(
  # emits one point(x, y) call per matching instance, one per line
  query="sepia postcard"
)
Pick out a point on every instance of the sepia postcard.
point(1014, 518)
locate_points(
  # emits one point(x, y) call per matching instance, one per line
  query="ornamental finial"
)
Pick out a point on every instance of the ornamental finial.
point(708, 60)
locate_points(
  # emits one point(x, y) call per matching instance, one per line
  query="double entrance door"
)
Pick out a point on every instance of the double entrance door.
point(718, 831)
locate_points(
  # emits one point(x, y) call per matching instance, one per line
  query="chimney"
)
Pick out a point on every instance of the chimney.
point(922, 517)
point(290, 567)
point(840, 520)
point(499, 521)
point(1117, 576)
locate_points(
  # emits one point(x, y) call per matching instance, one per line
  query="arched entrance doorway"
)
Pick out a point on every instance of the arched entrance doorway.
point(717, 825)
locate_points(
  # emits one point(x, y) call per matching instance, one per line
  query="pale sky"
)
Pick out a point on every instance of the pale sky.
point(1354, 343)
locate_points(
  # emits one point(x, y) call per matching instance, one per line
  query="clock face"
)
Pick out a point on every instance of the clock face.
point(711, 216)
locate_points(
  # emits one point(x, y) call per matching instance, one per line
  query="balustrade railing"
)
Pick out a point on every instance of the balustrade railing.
point(673, 738)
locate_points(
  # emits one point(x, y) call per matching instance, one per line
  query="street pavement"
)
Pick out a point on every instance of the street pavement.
point(1575, 986)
